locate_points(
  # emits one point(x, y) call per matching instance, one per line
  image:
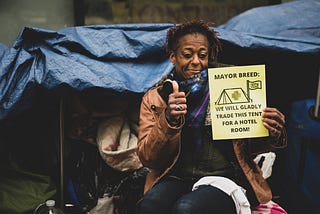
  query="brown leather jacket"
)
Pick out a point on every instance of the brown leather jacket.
point(159, 147)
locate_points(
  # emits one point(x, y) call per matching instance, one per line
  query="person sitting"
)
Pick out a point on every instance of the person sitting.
point(190, 172)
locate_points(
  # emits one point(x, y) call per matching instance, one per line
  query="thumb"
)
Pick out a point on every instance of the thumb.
point(175, 87)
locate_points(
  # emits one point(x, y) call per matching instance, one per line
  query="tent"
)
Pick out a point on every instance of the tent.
point(45, 72)
point(120, 57)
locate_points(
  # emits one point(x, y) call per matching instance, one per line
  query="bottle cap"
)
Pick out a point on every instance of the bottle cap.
point(50, 203)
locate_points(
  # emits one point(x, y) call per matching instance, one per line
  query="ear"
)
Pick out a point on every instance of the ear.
point(172, 58)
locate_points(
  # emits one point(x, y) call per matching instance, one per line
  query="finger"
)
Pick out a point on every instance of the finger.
point(179, 107)
point(273, 132)
point(273, 116)
point(175, 86)
point(274, 122)
point(273, 111)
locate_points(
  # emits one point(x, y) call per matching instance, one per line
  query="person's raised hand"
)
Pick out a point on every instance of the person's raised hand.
point(177, 104)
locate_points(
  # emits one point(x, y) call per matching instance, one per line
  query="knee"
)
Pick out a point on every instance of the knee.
point(152, 203)
point(185, 206)
point(148, 205)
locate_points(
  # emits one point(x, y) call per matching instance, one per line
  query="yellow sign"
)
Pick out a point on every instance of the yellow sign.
point(237, 97)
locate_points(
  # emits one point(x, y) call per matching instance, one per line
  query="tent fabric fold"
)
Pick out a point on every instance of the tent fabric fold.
point(131, 57)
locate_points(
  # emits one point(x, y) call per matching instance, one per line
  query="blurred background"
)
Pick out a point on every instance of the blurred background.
point(54, 15)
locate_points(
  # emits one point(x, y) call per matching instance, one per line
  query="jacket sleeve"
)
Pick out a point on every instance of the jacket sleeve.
point(158, 143)
point(267, 144)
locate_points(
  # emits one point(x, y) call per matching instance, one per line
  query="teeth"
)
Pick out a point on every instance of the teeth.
point(197, 75)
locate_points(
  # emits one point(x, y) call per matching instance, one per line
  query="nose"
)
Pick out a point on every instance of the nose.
point(195, 60)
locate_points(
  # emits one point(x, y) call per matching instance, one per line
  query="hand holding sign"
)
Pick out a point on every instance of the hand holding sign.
point(274, 121)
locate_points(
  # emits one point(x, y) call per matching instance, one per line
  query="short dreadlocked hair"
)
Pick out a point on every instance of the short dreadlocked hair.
point(191, 27)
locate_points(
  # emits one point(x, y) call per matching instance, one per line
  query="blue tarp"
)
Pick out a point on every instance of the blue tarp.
point(3, 48)
point(131, 57)
point(292, 26)
point(302, 157)
point(117, 57)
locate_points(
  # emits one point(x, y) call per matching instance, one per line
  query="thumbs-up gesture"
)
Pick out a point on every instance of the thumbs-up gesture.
point(177, 104)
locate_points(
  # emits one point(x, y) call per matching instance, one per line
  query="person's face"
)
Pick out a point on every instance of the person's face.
point(191, 55)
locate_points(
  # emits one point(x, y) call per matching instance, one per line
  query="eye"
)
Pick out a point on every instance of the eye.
point(203, 55)
point(187, 55)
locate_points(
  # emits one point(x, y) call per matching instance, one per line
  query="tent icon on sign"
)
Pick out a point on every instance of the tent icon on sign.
point(238, 95)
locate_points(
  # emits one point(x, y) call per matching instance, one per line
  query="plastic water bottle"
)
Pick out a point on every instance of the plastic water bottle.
point(48, 208)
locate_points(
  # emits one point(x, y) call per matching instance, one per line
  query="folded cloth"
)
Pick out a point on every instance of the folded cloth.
point(229, 187)
point(104, 205)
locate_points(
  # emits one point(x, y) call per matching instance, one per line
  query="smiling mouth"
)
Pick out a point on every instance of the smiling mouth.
point(195, 76)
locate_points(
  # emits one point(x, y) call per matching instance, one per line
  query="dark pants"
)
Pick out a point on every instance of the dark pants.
point(175, 196)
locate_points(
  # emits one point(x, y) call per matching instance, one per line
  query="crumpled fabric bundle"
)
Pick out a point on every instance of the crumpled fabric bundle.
point(104, 205)
point(117, 142)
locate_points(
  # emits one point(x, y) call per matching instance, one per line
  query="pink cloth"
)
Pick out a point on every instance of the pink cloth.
point(269, 208)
